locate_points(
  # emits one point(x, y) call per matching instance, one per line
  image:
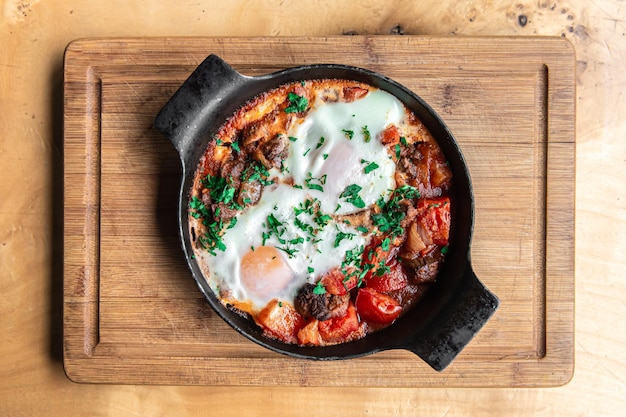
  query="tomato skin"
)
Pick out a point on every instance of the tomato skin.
point(390, 136)
point(353, 93)
point(336, 283)
point(309, 335)
point(281, 321)
point(434, 216)
point(337, 329)
point(394, 278)
point(377, 307)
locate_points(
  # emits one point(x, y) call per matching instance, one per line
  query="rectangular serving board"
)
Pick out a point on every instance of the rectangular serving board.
point(132, 312)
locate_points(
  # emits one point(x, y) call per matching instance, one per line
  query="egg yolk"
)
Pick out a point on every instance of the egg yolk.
point(264, 272)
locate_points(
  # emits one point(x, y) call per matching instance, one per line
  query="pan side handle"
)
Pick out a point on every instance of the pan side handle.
point(200, 97)
point(449, 332)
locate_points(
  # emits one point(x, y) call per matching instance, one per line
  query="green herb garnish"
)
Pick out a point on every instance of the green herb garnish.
point(366, 134)
point(342, 236)
point(256, 172)
point(351, 195)
point(349, 133)
point(371, 166)
point(313, 183)
point(220, 191)
point(319, 288)
point(297, 103)
point(392, 214)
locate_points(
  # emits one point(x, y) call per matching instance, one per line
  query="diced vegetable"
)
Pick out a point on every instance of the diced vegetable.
point(281, 320)
point(377, 307)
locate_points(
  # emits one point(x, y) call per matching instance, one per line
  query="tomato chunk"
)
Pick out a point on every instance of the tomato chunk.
point(351, 94)
point(338, 329)
point(309, 335)
point(434, 216)
point(337, 283)
point(384, 271)
point(281, 321)
point(390, 136)
point(377, 307)
point(389, 278)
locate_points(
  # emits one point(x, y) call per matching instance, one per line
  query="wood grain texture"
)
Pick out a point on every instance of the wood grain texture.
point(132, 312)
point(34, 35)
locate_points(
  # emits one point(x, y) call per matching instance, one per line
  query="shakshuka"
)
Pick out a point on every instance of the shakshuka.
point(321, 210)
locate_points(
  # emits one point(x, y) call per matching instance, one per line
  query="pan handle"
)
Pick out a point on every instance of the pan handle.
point(200, 98)
point(452, 329)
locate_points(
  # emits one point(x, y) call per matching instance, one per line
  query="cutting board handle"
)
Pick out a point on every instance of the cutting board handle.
point(449, 332)
point(200, 100)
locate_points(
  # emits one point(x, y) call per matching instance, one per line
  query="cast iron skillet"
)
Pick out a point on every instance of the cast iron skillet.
point(452, 311)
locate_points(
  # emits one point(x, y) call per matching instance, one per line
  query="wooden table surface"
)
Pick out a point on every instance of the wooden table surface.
point(33, 35)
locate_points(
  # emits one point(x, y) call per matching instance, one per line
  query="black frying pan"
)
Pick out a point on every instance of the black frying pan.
point(451, 312)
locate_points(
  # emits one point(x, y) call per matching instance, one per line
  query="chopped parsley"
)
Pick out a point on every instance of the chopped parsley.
point(403, 141)
point(319, 288)
point(305, 227)
point(362, 229)
point(235, 146)
point(392, 214)
point(371, 166)
point(201, 211)
point(306, 207)
point(313, 183)
point(220, 190)
point(320, 143)
point(277, 228)
point(342, 236)
point(322, 219)
point(310, 270)
point(367, 136)
point(312, 208)
point(349, 133)
point(297, 103)
point(293, 139)
point(212, 239)
point(297, 240)
point(352, 263)
point(325, 156)
point(382, 269)
point(256, 172)
point(351, 195)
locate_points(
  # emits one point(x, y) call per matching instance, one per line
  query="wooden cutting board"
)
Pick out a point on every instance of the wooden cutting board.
point(132, 312)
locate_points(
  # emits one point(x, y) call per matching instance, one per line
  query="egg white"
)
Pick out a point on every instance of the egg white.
point(341, 159)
